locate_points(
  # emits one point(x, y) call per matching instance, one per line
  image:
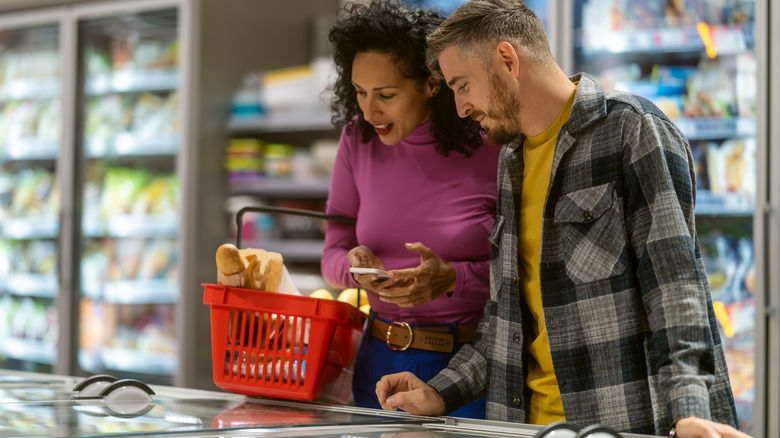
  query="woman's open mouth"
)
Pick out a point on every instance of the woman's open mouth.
point(383, 129)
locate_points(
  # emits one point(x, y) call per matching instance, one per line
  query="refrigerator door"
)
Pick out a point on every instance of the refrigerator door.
point(130, 203)
point(696, 61)
point(30, 147)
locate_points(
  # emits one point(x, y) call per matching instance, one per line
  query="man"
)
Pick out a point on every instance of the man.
point(599, 309)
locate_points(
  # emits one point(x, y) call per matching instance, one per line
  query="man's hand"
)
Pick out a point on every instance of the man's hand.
point(420, 285)
point(692, 427)
point(406, 392)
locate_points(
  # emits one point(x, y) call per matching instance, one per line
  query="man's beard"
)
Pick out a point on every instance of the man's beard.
point(505, 107)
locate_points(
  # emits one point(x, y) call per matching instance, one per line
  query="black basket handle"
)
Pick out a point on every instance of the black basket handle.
point(283, 210)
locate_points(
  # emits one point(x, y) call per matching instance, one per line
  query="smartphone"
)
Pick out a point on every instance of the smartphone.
point(382, 274)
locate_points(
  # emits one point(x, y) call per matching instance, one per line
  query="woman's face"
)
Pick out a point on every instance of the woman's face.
point(390, 102)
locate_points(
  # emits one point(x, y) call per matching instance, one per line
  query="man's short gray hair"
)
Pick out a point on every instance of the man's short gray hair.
point(478, 26)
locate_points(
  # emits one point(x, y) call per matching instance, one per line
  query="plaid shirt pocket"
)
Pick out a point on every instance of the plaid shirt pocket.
point(589, 223)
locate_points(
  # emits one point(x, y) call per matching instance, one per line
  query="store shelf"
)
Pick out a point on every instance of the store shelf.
point(30, 149)
point(30, 89)
point(130, 144)
point(33, 227)
point(150, 291)
point(712, 128)
point(727, 39)
point(295, 122)
point(132, 81)
point(129, 225)
point(31, 285)
point(146, 291)
point(301, 251)
point(27, 350)
point(732, 204)
point(284, 189)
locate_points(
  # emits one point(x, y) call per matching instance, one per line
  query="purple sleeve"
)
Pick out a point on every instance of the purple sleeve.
point(343, 200)
point(472, 281)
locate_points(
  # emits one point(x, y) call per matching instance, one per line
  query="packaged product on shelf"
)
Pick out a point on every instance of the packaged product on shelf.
point(746, 72)
point(36, 193)
point(158, 197)
point(245, 161)
point(278, 159)
point(121, 187)
point(731, 168)
point(711, 90)
point(300, 227)
point(157, 259)
point(645, 14)
point(246, 101)
point(153, 54)
point(105, 116)
point(43, 257)
point(324, 157)
point(154, 116)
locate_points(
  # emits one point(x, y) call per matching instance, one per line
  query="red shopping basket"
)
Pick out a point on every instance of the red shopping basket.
point(279, 345)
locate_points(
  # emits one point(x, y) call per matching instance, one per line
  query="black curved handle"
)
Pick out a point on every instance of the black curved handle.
point(283, 210)
point(125, 383)
point(93, 379)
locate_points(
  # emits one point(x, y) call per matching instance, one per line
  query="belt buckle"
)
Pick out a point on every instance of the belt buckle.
point(389, 332)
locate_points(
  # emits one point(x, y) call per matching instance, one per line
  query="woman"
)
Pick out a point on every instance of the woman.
point(421, 184)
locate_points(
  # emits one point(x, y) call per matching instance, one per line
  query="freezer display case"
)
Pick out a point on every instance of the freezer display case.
point(130, 220)
point(40, 405)
point(30, 122)
point(696, 60)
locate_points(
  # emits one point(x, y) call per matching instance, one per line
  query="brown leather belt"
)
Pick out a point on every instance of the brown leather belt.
point(400, 335)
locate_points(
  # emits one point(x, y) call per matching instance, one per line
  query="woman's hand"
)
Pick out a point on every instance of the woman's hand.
point(420, 285)
point(363, 257)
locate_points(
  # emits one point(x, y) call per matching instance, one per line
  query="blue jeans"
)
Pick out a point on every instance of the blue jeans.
point(375, 359)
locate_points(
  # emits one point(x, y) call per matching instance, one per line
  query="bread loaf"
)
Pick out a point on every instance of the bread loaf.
point(249, 268)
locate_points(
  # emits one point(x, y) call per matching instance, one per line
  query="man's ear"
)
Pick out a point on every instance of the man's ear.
point(507, 58)
point(433, 84)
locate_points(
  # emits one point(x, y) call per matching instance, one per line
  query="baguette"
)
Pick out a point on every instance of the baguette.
point(249, 268)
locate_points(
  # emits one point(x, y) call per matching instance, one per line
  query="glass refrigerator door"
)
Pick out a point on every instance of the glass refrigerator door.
point(695, 59)
point(130, 221)
point(30, 123)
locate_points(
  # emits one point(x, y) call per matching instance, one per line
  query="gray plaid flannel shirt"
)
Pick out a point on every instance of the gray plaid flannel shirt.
point(627, 307)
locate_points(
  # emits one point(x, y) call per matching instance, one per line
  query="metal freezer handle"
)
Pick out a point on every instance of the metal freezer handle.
point(283, 210)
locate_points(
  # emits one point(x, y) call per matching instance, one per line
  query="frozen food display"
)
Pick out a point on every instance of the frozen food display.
point(131, 195)
point(696, 61)
point(30, 198)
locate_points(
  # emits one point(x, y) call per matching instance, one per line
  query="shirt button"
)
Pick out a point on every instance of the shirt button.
point(516, 402)
point(552, 322)
point(514, 280)
point(587, 215)
point(516, 337)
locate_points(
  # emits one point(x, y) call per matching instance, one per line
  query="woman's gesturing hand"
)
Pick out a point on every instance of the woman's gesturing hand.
point(415, 286)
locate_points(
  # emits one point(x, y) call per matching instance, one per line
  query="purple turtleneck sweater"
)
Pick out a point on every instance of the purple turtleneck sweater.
point(409, 192)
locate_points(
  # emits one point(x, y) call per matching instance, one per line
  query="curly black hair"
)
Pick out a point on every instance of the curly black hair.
point(387, 26)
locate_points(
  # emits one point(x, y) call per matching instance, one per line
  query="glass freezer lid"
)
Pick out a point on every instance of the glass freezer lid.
point(38, 408)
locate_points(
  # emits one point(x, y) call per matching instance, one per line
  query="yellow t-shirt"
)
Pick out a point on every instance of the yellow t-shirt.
point(546, 406)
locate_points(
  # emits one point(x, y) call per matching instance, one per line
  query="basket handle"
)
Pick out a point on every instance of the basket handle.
point(284, 210)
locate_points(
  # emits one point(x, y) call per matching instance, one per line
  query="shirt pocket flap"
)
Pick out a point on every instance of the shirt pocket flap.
point(585, 205)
